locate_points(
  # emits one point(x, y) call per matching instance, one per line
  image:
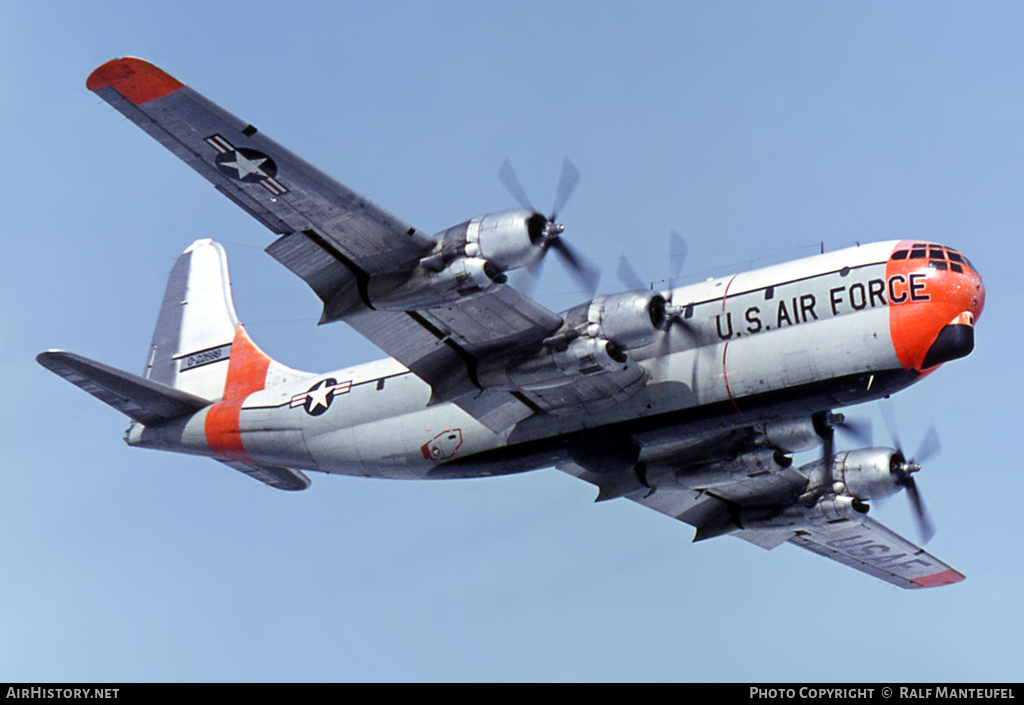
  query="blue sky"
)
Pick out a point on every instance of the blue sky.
point(757, 130)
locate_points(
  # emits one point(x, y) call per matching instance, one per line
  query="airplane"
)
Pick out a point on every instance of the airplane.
point(690, 401)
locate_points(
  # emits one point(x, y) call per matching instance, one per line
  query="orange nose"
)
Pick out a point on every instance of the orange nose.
point(935, 297)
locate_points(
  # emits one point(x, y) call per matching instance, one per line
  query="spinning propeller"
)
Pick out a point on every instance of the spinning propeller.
point(545, 231)
point(904, 469)
point(669, 314)
point(901, 468)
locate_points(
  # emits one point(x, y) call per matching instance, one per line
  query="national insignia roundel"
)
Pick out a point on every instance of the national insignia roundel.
point(245, 164)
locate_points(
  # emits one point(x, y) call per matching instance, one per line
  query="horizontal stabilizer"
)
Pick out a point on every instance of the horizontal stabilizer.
point(138, 398)
point(277, 477)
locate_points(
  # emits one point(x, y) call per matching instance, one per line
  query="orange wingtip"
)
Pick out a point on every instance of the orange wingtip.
point(137, 80)
point(946, 577)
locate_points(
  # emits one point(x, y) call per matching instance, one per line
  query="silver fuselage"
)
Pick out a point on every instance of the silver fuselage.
point(774, 342)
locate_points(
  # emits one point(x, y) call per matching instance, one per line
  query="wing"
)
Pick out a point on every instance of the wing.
point(334, 239)
point(856, 540)
point(273, 185)
point(876, 550)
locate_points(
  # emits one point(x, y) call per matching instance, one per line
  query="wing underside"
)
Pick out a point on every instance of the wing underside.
point(334, 239)
point(861, 543)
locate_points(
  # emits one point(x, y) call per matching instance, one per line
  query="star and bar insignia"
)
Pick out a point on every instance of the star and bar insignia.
point(244, 164)
point(318, 399)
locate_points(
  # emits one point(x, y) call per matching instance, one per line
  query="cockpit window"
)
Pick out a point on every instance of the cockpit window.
point(937, 256)
point(957, 257)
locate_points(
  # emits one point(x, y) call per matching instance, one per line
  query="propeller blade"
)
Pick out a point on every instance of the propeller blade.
point(585, 273)
point(628, 276)
point(860, 431)
point(662, 347)
point(828, 446)
point(567, 182)
point(508, 178)
point(930, 445)
point(890, 423)
point(527, 278)
point(677, 250)
point(924, 524)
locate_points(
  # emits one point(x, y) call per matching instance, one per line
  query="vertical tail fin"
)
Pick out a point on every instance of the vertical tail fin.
point(198, 345)
point(200, 357)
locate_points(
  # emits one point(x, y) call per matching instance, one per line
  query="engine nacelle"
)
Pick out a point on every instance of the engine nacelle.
point(826, 511)
point(867, 473)
point(631, 319)
point(553, 366)
point(426, 288)
point(508, 239)
point(467, 260)
point(593, 338)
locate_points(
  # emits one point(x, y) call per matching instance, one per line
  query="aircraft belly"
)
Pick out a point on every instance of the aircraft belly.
point(400, 446)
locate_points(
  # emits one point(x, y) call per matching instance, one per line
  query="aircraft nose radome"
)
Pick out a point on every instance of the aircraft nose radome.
point(935, 298)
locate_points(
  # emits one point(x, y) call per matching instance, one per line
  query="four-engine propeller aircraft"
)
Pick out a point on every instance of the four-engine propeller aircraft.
point(690, 401)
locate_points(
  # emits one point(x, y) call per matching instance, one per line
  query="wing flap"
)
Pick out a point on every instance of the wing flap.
point(498, 319)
